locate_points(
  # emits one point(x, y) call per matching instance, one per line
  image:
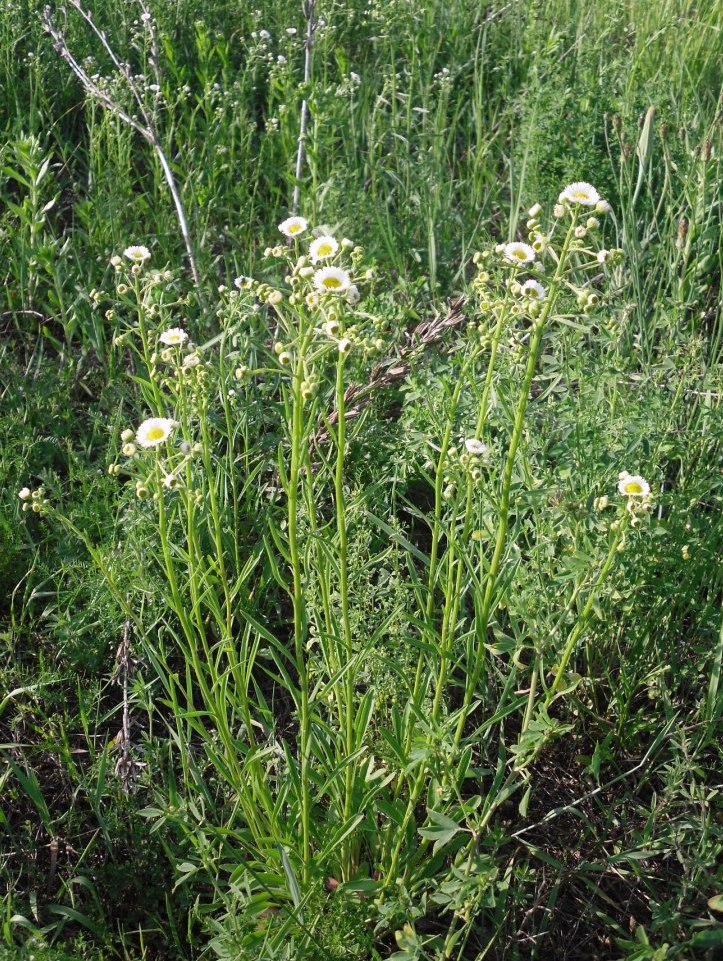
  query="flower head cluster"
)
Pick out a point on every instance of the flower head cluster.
point(637, 491)
point(173, 337)
point(293, 226)
point(137, 254)
point(155, 431)
point(518, 253)
point(34, 500)
point(581, 194)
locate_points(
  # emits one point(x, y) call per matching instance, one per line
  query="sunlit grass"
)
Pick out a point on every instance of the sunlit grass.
point(352, 597)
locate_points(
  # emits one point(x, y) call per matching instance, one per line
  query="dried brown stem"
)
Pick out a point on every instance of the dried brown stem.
point(358, 396)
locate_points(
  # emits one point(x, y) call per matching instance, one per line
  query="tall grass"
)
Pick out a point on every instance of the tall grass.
point(408, 678)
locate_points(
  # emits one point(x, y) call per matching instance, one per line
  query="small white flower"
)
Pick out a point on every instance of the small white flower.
point(291, 31)
point(332, 280)
point(129, 450)
point(127, 435)
point(191, 360)
point(353, 296)
point(344, 345)
point(603, 256)
point(170, 482)
point(281, 58)
point(243, 283)
point(137, 254)
point(331, 328)
point(174, 336)
point(293, 226)
point(534, 210)
point(264, 35)
point(518, 253)
point(580, 193)
point(633, 485)
point(474, 446)
point(602, 207)
point(580, 232)
point(323, 248)
point(24, 493)
point(154, 431)
point(533, 289)
point(558, 210)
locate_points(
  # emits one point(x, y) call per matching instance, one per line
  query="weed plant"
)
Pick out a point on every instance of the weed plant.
point(361, 601)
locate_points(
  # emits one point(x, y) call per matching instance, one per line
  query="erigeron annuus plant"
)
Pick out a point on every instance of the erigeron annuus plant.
point(240, 497)
point(523, 287)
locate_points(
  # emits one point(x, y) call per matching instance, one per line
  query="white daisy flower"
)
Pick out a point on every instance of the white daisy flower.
point(633, 485)
point(243, 283)
point(174, 336)
point(293, 226)
point(154, 431)
point(474, 446)
point(137, 254)
point(353, 296)
point(323, 248)
point(24, 493)
point(603, 256)
point(518, 253)
point(533, 289)
point(332, 280)
point(580, 193)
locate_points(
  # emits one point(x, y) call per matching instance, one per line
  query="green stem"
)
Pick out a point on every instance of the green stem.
point(535, 345)
point(344, 595)
point(299, 606)
point(584, 617)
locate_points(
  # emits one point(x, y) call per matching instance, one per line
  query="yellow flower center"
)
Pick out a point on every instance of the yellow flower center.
point(324, 250)
point(155, 433)
point(294, 228)
point(332, 283)
point(632, 487)
point(580, 194)
point(520, 254)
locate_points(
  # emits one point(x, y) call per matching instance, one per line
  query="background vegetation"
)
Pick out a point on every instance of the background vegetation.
point(434, 127)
